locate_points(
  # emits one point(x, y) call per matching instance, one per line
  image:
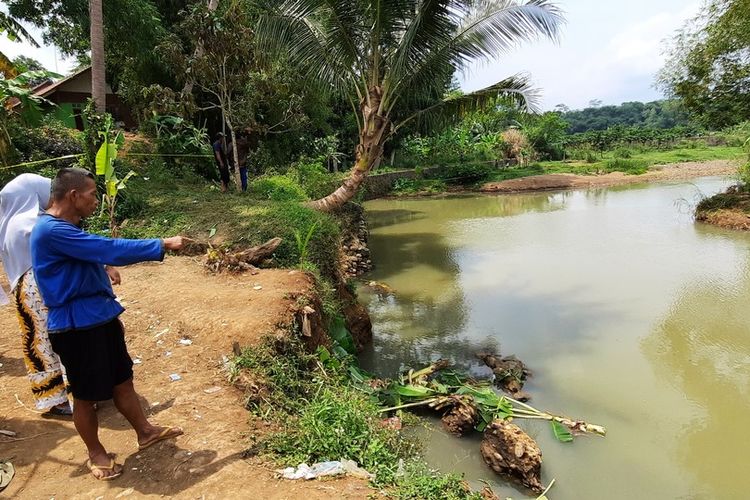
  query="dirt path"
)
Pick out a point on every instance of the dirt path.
point(165, 303)
point(670, 172)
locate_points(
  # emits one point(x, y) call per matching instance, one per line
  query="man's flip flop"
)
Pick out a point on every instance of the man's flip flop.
point(57, 411)
point(168, 433)
point(111, 467)
point(6, 474)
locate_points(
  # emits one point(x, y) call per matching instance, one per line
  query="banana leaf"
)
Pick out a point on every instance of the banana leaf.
point(561, 432)
point(341, 336)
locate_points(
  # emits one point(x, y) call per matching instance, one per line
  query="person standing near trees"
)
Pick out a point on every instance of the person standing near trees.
point(243, 150)
point(220, 155)
point(83, 320)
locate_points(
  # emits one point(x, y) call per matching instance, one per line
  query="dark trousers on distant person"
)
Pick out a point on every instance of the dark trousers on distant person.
point(243, 178)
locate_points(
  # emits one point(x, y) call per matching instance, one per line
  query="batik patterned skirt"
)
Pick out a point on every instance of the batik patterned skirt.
point(45, 372)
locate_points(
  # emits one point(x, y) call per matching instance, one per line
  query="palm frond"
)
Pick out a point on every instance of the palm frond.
point(490, 28)
point(319, 36)
point(515, 91)
point(388, 19)
point(430, 25)
point(15, 30)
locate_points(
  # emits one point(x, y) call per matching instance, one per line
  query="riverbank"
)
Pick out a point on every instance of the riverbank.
point(668, 172)
point(730, 210)
point(166, 303)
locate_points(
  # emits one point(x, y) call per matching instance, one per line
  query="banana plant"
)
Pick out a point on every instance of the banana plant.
point(105, 166)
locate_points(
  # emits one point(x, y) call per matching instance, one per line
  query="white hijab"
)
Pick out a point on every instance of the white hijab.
point(21, 202)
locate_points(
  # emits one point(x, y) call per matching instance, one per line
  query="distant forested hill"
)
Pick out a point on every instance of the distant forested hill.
point(657, 114)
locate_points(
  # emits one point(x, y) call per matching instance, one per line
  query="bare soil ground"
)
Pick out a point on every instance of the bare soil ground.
point(670, 172)
point(165, 302)
point(730, 218)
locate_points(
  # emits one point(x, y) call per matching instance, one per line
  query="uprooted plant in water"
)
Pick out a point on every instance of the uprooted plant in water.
point(327, 408)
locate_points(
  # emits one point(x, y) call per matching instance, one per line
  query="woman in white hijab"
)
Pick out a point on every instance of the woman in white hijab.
point(21, 202)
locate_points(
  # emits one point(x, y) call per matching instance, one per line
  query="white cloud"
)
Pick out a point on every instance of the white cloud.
point(608, 52)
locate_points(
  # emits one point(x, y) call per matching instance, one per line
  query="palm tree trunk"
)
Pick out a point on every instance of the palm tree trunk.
point(368, 154)
point(98, 79)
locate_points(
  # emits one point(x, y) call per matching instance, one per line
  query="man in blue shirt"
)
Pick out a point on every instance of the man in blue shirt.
point(83, 321)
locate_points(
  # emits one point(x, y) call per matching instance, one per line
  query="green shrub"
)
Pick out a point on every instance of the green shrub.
point(719, 201)
point(743, 171)
point(465, 173)
point(414, 186)
point(277, 188)
point(622, 152)
point(315, 180)
point(627, 166)
point(50, 140)
point(282, 220)
point(736, 135)
point(174, 135)
point(583, 154)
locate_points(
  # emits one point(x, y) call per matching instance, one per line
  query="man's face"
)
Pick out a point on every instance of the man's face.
point(85, 200)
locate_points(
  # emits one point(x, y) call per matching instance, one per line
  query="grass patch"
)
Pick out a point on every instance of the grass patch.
point(411, 187)
point(420, 483)
point(622, 160)
point(340, 423)
point(725, 201)
point(630, 166)
point(239, 220)
point(320, 415)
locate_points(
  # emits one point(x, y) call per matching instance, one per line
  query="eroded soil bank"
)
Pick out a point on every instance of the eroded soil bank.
point(165, 303)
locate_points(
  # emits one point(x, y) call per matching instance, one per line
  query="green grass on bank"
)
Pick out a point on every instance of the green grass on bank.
point(636, 162)
point(157, 204)
point(319, 415)
point(628, 161)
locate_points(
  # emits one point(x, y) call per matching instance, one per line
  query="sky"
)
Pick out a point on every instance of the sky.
point(607, 50)
point(49, 56)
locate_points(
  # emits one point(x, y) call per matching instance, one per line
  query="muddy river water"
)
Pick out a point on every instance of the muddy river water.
point(629, 313)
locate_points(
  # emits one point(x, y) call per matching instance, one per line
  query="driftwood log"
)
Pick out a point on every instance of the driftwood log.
point(508, 450)
point(245, 260)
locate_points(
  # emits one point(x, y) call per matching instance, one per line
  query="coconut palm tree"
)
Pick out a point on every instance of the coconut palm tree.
point(390, 55)
point(98, 79)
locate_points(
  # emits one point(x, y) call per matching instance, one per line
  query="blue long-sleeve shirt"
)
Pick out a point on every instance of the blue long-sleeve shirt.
point(69, 265)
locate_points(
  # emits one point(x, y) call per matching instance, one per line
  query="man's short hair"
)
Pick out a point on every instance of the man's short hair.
point(67, 179)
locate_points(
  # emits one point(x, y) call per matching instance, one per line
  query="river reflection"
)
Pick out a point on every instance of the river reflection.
point(703, 349)
point(629, 314)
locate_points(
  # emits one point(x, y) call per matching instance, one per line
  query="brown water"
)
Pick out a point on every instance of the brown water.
point(630, 315)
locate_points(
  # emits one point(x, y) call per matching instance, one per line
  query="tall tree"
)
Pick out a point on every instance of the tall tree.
point(98, 79)
point(131, 28)
point(708, 64)
point(387, 55)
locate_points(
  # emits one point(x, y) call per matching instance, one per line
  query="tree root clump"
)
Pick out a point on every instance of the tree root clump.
point(462, 415)
point(510, 373)
point(223, 260)
point(508, 450)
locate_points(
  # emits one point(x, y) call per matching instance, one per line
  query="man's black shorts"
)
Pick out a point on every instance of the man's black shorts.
point(95, 359)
